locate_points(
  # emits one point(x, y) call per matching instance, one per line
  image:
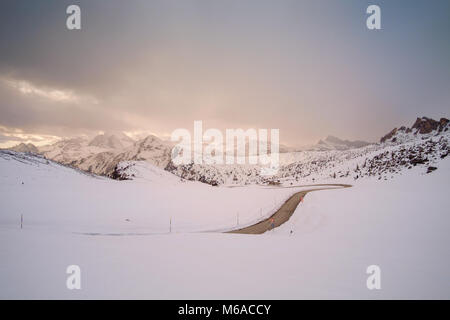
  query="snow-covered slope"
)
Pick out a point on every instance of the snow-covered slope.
point(52, 195)
point(404, 149)
point(118, 233)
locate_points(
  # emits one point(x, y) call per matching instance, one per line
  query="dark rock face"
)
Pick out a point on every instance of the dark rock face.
point(443, 124)
point(389, 135)
point(425, 125)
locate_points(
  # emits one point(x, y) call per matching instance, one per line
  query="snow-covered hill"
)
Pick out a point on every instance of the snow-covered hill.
point(384, 160)
point(118, 233)
point(59, 196)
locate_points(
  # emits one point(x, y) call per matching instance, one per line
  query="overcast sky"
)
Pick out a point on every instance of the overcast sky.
point(308, 68)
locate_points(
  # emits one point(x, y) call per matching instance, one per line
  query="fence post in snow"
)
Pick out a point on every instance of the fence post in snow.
point(170, 225)
point(21, 221)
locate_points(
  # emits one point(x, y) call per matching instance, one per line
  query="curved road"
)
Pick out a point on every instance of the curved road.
point(284, 212)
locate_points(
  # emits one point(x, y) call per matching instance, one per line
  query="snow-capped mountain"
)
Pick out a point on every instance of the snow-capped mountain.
point(150, 149)
point(102, 154)
point(69, 150)
point(25, 147)
point(112, 141)
point(423, 144)
point(334, 143)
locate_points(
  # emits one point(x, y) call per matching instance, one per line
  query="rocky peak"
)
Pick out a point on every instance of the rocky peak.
point(422, 125)
point(389, 135)
point(425, 125)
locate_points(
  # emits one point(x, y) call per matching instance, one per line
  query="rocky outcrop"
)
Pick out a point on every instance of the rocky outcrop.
point(389, 135)
point(426, 125)
point(422, 125)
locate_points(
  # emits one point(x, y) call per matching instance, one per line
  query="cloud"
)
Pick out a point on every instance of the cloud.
point(12, 136)
point(154, 66)
point(52, 94)
point(34, 108)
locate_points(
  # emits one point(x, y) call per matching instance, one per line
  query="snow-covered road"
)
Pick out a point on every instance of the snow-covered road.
point(286, 210)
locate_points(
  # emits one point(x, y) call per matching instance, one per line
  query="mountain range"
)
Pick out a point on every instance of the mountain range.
point(102, 154)
point(334, 143)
